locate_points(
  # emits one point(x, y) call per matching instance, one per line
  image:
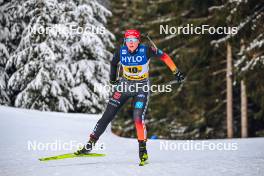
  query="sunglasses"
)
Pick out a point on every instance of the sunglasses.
point(131, 40)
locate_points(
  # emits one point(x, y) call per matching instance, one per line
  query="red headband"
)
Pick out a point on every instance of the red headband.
point(132, 32)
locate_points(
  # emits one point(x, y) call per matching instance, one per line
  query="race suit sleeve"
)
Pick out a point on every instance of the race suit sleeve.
point(114, 65)
point(153, 52)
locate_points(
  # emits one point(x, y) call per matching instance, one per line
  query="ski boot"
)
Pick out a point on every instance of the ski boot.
point(87, 148)
point(143, 154)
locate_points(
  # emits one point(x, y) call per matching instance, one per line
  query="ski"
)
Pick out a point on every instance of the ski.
point(71, 155)
point(143, 163)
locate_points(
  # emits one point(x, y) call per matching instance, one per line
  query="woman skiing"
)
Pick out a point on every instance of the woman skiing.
point(134, 59)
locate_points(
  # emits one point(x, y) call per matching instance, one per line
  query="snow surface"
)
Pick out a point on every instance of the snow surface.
point(20, 125)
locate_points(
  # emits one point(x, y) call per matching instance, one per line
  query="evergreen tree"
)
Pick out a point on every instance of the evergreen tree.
point(56, 65)
point(4, 53)
point(248, 17)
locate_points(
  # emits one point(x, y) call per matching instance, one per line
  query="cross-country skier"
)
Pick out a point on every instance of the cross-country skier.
point(134, 59)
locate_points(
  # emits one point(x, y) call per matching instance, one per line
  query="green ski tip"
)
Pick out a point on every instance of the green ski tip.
point(71, 155)
point(143, 163)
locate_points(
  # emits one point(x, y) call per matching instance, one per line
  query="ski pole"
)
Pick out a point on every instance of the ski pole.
point(151, 41)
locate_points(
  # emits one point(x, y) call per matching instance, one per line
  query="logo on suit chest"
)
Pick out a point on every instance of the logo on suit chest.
point(132, 59)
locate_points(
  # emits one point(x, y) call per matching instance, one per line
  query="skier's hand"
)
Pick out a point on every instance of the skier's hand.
point(179, 77)
point(114, 83)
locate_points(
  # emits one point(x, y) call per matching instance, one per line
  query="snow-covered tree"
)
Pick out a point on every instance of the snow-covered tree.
point(248, 17)
point(62, 56)
point(4, 98)
point(4, 54)
point(248, 57)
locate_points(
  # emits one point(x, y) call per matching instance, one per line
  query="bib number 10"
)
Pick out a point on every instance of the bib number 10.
point(136, 69)
point(133, 69)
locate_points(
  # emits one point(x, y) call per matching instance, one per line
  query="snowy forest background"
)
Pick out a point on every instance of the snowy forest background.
point(57, 71)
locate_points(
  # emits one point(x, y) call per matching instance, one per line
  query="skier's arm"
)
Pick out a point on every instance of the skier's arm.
point(114, 66)
point(179, 77)
point(169, 62)
point(164, 57)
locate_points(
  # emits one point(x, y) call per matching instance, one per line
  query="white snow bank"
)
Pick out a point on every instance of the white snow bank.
point(18, 126)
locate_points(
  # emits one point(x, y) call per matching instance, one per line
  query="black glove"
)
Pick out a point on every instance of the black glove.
point(179, 77)
point(114, 82)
